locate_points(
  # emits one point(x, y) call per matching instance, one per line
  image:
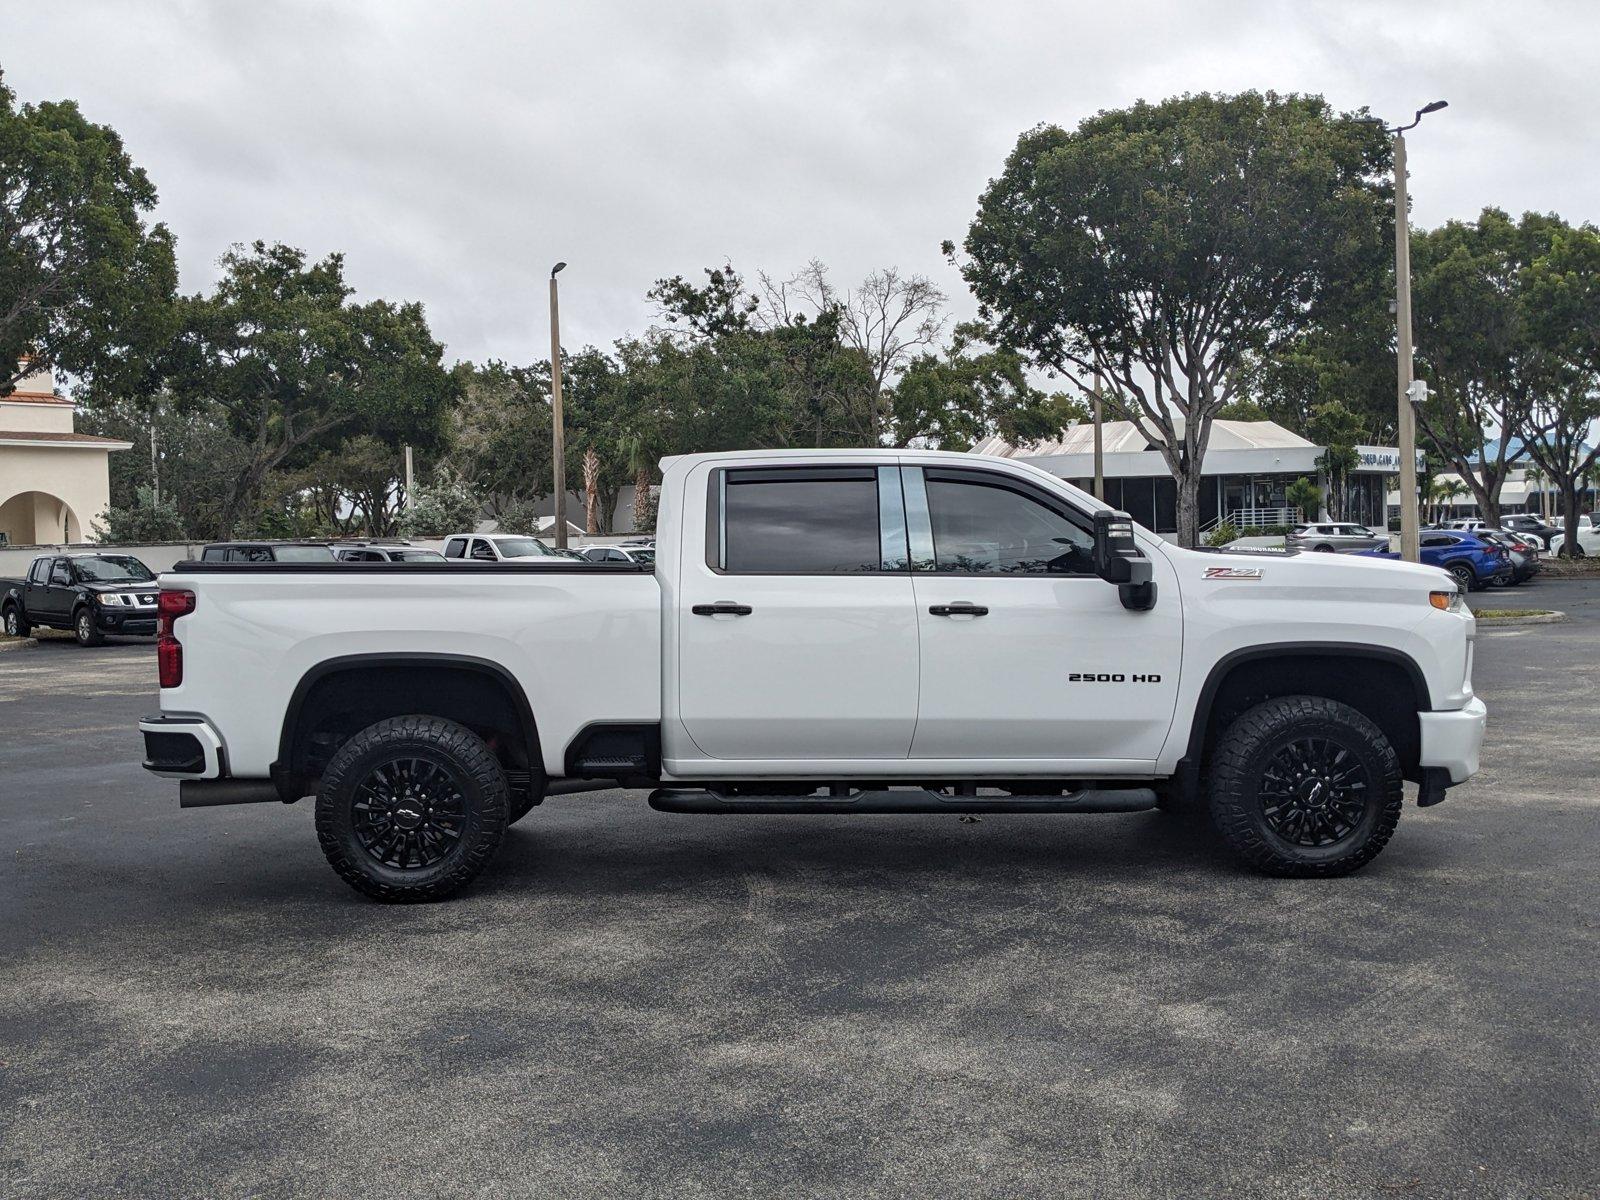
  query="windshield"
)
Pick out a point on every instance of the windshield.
point(416, 556)
point(119, 568)
point(522, 548)
point(303, 554)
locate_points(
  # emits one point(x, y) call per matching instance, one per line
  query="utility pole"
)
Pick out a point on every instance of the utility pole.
point(1406, 415)
point(410, 476)
point(558, 437)
point(1099, 447)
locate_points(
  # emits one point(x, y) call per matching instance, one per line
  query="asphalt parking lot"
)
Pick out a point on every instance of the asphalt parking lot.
point(631, 1003)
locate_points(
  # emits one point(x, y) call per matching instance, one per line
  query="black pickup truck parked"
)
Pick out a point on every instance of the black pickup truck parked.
point(90, 594)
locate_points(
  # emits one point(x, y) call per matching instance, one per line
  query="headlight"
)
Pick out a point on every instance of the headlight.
point(1446, 601)
point(109, 599)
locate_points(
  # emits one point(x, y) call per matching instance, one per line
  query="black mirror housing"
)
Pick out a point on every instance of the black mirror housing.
point(1118, 560)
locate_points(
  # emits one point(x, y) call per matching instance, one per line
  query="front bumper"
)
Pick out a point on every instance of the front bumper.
point(182, 747)
point(1451, 741)
point(126, 620)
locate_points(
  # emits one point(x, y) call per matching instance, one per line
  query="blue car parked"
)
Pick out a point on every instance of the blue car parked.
point(1474, 562)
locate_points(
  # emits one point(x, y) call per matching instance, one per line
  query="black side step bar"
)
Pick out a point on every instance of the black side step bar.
point(903, 800)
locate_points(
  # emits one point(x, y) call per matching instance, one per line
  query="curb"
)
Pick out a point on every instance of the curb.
point(16, 643)
point(1549, 618)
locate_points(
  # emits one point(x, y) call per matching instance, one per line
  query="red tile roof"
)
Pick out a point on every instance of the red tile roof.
point(34, 398)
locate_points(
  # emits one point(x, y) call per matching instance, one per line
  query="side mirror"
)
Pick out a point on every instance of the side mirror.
point(1118, 560)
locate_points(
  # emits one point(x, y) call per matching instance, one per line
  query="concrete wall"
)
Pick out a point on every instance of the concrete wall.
point(35, 418)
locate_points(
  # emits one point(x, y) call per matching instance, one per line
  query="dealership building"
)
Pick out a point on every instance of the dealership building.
point(1245, 475)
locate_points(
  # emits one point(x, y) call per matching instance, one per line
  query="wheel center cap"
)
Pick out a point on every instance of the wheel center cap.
point(1314, 791)
point(408, 814)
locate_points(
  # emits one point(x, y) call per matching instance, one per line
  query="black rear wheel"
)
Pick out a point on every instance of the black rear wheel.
point(411, 808)
point(1464, 577)
point(1305, 786)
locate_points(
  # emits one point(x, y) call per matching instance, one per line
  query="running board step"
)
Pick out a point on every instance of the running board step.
point(903, 800)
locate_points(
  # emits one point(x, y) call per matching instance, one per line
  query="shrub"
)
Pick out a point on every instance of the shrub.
point(1222, 534)
point(445, 508)
point(145, 520)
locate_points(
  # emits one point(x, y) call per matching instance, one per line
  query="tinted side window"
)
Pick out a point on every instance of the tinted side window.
point(482, 551)
point(39, 570)
point(984, 528)
point(806, 522)
point(1438, 540)
point(61, 574)
point(213, 554)
point(455, 547)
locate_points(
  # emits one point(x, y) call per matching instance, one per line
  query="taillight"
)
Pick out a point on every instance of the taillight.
point(169, 651)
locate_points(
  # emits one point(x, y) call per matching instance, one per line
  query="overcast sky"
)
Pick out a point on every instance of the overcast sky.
point(455, 150)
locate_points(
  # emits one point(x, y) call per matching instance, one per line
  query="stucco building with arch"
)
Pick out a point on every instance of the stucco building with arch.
point(54, 481)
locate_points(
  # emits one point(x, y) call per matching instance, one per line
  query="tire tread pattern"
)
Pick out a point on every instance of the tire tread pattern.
point(1233, 760)
point(486, 821)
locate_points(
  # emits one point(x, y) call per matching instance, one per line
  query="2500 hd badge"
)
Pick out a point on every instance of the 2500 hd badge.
point(1103, 677)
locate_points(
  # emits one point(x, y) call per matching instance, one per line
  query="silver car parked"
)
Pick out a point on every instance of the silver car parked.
point(1330, 536)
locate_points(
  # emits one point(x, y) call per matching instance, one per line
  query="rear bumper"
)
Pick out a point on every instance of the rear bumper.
point(1451, 741)
point(181, 747)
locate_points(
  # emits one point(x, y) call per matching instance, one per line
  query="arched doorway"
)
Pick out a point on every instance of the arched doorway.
point(38, 519)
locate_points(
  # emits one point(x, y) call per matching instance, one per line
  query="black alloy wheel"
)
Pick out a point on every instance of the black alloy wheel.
point(1314, 792)
point(409, 813)
point(1465, 579)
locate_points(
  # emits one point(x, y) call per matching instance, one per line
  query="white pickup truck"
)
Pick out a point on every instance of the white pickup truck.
point(824, 632)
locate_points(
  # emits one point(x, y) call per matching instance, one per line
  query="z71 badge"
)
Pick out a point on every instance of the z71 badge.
point(1233, 573)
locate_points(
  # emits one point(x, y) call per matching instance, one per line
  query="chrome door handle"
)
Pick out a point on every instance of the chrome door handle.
point(959, 609)
point(722, 608)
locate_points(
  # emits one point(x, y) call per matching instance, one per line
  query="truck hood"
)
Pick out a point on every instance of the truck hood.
point(1307, 569)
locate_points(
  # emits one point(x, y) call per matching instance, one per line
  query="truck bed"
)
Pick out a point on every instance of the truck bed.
point(580, 639)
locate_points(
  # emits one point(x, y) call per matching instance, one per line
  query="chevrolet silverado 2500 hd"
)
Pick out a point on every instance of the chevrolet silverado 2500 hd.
point(824, 632)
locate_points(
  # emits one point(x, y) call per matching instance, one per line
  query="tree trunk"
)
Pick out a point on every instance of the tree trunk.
point(1189, 508)
point(591, 498)
point(1569, 518)
point(641, 499)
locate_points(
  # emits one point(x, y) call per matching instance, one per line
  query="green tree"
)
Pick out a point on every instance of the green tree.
point(1166, 247)
point(1561, 296)
point(1479, 350)
point(972, 391)
point(499, 433)
point(148, 519)
point(445, 506)
point(1339, 431)
point(1306, 496)
point(294, 363)
point(86, 286)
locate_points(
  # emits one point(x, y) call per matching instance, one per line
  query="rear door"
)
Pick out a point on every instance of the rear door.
point(1027, 655)
point(797, 633)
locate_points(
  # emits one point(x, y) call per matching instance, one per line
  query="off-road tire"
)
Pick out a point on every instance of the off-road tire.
point(471, 768)
point(16, 624)
point(1464, 576)
point(1247, 748)
point(84, 628)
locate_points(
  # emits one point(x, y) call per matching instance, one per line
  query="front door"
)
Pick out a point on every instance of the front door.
point(1027, 656)
point(59, 594)
point(797, 637)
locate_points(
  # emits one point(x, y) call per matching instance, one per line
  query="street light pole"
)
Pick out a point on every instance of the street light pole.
point(1099, 447)
point(1406, 415)
point(558, 439)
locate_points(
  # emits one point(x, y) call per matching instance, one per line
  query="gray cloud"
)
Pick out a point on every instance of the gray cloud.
point(454, 151)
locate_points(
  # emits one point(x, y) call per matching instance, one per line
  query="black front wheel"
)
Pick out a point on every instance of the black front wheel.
point(85, 630)
point(1305, 786)
point(16, 625)
point(412, 808)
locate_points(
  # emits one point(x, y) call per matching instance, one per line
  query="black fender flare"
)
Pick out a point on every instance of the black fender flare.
point(1201, 718)
point(281, 771)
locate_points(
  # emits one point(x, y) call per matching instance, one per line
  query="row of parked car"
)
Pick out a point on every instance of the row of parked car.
point(1476, 554)
point(93, 595)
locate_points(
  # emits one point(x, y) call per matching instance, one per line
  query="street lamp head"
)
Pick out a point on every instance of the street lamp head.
point(557, 269)
point(1434, 107)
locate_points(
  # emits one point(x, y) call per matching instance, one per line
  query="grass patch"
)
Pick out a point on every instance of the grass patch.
point(1492, 613)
